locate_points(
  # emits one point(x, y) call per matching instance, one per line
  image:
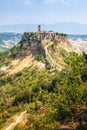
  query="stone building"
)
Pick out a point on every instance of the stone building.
point(33, 39)
point(45, 35)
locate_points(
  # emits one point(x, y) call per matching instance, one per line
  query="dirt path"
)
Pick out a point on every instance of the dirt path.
point(16, 120)
point(53, 63)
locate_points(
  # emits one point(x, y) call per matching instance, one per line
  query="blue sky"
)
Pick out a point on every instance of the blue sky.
point(42, 11)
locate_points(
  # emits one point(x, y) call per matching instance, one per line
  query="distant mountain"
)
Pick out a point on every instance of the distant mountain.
point(75, 37)
point(8, 39)
point(65, 27)
point(18, 28)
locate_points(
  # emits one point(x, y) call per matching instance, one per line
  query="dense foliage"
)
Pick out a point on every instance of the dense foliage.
point(48, 96)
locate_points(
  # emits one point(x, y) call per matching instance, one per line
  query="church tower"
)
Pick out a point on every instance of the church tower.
point(39, 28)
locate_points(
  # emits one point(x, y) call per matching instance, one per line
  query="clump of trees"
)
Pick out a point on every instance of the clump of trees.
point(61, 34)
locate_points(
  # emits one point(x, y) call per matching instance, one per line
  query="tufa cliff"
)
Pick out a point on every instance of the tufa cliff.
point(34, 39)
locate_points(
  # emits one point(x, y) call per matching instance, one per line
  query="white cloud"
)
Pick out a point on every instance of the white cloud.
point(62, 1)
point(49, 1)
point(67, 2)
point(28, 2)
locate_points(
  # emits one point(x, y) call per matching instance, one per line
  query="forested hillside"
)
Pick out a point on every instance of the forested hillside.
point(52, 99)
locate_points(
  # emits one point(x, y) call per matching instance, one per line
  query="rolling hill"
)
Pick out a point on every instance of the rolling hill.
point(8, 40)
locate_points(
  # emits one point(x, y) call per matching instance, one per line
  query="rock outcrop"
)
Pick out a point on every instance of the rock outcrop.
point(34, 39)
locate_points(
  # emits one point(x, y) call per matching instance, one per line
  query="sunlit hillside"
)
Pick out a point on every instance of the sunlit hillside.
point(43, 84)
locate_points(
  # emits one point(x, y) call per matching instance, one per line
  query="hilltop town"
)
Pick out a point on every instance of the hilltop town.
point(34, 39)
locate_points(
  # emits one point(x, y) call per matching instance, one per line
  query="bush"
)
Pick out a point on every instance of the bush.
point(23, 97)
point(19, 127)
point(41, 122)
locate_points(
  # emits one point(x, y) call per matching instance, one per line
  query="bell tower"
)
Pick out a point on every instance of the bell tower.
point(39, 28)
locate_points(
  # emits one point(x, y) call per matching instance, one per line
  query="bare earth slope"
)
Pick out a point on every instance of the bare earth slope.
point(19, 64)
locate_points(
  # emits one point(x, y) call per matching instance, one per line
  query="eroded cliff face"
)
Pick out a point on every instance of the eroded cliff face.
point(79, 46)
point(30, 40)
point(33, 39)
point(64, 43)
point(36, 41)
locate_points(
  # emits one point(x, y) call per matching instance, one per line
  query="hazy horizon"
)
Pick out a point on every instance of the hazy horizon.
point(63, 27)
point(44, 23)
